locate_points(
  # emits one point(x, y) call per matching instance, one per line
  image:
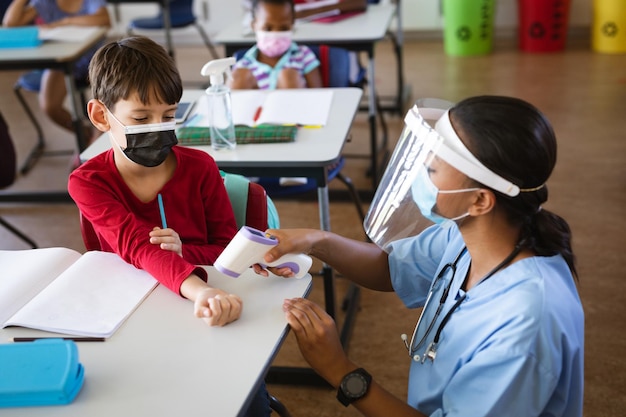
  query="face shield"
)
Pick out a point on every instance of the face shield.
point(405, 201)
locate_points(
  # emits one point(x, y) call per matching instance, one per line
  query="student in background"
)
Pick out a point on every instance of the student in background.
point(502, 326)
point(275, 61)
point(50, 14)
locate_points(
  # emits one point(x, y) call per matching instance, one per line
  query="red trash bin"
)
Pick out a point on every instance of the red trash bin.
point(543, 25)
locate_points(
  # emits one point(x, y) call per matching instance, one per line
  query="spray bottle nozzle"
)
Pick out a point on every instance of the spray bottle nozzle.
point(218, 70)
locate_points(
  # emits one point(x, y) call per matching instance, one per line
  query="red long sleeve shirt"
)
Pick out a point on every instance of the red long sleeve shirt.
point(196, 206)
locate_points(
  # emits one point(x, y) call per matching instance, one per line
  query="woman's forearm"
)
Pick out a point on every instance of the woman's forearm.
point(362, 262)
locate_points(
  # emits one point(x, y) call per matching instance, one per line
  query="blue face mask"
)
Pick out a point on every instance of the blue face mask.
point(425, 196)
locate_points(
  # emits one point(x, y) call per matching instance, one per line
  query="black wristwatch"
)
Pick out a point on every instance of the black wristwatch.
point(353, 386)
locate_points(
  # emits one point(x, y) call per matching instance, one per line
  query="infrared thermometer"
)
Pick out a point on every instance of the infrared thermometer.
point(248, 247)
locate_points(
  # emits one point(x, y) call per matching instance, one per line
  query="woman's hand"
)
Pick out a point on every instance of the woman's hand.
point(216, 307)
point(167, 239)
point(318, 339)
point(289, 241)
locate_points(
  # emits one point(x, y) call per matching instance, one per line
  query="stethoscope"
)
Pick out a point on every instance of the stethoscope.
point(431, 350)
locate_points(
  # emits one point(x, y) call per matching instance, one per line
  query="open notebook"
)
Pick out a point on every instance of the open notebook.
point(59, 290)
point(302, 107)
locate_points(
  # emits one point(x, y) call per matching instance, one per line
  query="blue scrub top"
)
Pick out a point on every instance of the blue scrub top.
point(514, 346)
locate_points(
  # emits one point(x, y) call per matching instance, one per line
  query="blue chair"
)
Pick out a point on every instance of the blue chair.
point(31, 81)
point(181, 15)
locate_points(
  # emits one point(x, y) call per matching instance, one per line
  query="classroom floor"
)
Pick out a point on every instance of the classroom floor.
point(582, 93)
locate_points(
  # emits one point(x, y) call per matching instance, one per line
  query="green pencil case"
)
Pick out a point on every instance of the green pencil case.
point(43, 372)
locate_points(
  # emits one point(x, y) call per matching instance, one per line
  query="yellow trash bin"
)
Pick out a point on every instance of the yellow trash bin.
point(608, 32)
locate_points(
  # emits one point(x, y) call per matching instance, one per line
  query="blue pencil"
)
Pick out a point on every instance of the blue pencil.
point(162, 211)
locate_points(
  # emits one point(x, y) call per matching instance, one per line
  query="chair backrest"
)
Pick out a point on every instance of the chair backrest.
point(334, 65)
point(251, 205)
point(7, 155)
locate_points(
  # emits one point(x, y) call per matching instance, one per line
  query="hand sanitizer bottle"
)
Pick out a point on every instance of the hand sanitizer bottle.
point(219, 102)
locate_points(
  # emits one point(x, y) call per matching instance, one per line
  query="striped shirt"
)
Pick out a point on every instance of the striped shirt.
point(299, 57)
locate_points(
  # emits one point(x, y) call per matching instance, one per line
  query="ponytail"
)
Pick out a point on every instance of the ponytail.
point(548, 234)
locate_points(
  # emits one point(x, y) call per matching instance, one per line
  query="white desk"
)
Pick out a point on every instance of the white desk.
point(165, 362)
point(56, 55)
point(357, 33)
point(313, 151)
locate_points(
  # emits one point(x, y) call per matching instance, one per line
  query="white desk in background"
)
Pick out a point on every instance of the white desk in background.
point(357, 33)
point(163, 361)
point(56, 55)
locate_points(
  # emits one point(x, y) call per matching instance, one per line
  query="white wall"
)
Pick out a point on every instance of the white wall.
point(417, 16)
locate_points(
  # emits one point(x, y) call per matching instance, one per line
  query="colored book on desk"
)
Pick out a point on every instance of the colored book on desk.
point(300, 107)
point(59, 290)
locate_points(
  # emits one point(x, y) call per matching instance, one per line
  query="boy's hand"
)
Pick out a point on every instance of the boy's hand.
point(167, 239)
point(216, 307)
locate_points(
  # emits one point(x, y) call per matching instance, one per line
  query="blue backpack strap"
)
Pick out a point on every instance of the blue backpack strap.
point(237, 189)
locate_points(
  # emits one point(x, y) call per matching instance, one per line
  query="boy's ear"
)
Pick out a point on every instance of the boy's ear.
point(484, 203)
point(97, 114)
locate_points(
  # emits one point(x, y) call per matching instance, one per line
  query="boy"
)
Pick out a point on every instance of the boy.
point(136, 88)
point(275, 61)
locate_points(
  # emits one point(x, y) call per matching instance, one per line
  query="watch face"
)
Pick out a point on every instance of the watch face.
point(355, 386)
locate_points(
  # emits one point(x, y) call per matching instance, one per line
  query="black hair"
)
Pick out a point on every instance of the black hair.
point(255, 5)
point(516, 141)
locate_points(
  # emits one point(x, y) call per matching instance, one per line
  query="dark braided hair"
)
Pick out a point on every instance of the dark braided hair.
point(515, 140)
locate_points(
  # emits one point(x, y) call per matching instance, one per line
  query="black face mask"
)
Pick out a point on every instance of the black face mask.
point(148, 145)
point(149, 148)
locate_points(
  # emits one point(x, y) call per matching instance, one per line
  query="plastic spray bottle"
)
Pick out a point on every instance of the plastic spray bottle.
point(219, 102)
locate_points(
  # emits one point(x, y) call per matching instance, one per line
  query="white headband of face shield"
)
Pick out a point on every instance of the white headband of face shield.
point(393, 214)
point(453, 151)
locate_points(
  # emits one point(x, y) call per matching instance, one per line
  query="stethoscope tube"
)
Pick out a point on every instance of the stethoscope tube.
point(412, 347)
point(431, 351)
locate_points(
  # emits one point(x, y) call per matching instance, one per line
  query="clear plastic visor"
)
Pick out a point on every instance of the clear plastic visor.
point(427, 134)
point(393, 214)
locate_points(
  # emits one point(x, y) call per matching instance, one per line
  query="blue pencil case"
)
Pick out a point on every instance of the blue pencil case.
point(19, 37)
point(43, 372)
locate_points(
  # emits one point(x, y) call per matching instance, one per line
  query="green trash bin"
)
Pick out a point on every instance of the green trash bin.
point(468, 26)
